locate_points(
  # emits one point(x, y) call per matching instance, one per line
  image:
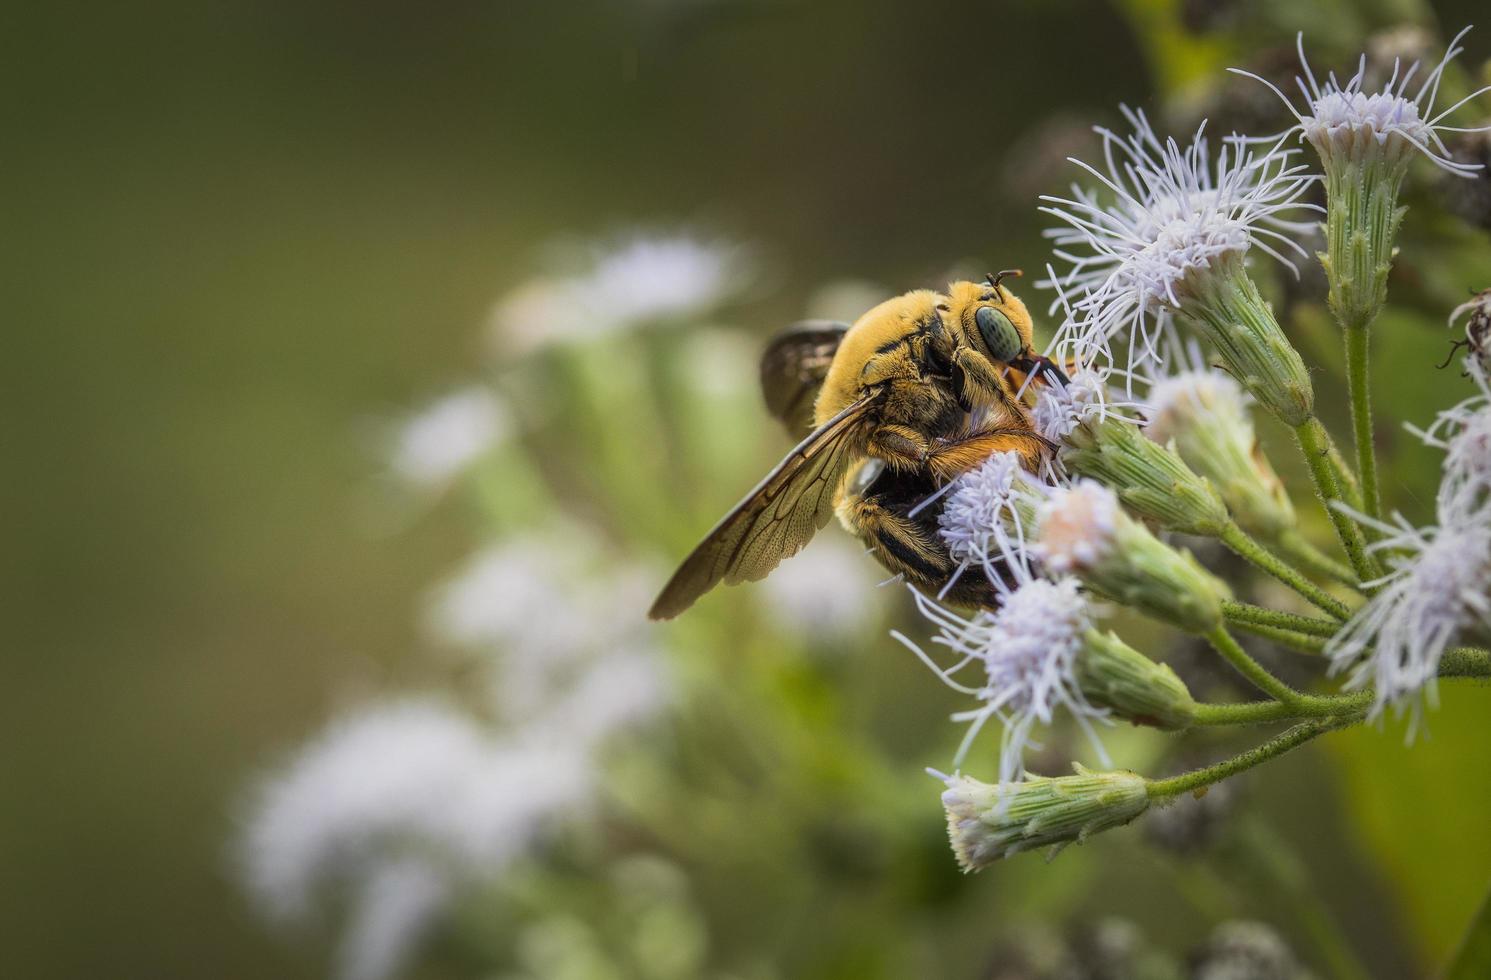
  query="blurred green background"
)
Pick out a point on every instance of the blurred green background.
point(238, 234)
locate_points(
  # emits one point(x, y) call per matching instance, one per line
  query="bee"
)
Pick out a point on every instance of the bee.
point(920, 389)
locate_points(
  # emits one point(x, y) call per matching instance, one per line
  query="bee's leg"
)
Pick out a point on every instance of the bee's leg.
point(952, 457)
point(902, 447)
point(984, 384)
point(912, 550)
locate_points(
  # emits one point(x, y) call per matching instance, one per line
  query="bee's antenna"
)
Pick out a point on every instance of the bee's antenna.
point(995, 278)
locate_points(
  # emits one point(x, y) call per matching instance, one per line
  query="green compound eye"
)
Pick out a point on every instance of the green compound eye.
point(999, 334)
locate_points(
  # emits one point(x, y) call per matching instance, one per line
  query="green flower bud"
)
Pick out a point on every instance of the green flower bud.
point(1082, 531)
point(1149, 479)
point(987, 822)
point(1223, 305)
point(1202, 416)
point(1114, 675)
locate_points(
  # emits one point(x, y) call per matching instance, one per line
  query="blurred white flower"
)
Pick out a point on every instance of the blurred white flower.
point(546, 623)
point(1172, 214)
point(1464, 433)
point(437, 444)
point(825, 592)
point(1439, 587)
point(639, 280)
point(1346, 124)
point(413, 778)
point(390, 914)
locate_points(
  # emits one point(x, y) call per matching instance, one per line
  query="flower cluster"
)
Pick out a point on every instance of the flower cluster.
point(404, 804)
point(1152, 431)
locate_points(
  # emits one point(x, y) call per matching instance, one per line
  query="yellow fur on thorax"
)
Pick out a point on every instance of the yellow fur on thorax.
point(891, 320)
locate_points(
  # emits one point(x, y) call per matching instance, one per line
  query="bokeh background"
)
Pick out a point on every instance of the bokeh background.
point(243, 239)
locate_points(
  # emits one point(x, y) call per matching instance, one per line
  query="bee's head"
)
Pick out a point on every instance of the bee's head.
point(991, 319)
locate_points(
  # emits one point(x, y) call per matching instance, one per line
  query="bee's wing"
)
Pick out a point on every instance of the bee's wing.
point(776, 519)
point(793, 367)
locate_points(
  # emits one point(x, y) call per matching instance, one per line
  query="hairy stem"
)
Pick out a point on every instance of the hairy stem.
point(1465, 662)
point(1246, 612)
point(1294, 546)
point(1165, 789)
point(1358, 382)
point(1263, 712)
point(1315, 443)
point(1239, 541)
point(1252, 669)
point(1298, 642)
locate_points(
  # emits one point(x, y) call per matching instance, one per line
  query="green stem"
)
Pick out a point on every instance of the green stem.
point(1315, 443)
point(1287, 638)
point(1358, 383)
point(1252, 669)
point(1473, 958)
point(1297, 547)
point(1263, 712)
point(1246, 612)
point(1165, 789)
point(1465, 662)
point(1238, 540)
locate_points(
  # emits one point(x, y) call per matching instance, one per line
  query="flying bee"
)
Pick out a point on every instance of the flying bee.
point(920, 389)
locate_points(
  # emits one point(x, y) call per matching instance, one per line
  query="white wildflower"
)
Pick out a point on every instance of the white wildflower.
point(641, 280)
point(415, 778)
point(1027, 652)
point(439, 443)
point(825, 592)
point(1439, 588)
point(390, 914)
point(1173, 215)
point(981, 522)
point(1078, 525)
point(1464, 433)
point(1345, 123)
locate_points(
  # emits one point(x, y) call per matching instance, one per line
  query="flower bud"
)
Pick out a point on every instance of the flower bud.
point(1202, 416)
point(987, 822)
point(1114, 675)
point(1223, 305)
point(1152, 481)
point(1082, 531)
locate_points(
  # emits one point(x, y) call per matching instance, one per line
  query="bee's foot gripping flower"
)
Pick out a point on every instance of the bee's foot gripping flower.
point(988, 822)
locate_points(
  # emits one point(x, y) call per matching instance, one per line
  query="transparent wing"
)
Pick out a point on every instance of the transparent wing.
point(776, 519)
point(793, 367)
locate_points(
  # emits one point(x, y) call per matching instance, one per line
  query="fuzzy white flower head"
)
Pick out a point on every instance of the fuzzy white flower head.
point(1173, 214)
point(1345, 123)
point(436, 445)
point(981, 524)
point(1077, 525)
point(825, 591)
point(1028, 652)
point(1464, 433)
point(1178, 397)
point(1439, 587)
point(639, 280)
point(413, 777)
point(390, 914)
